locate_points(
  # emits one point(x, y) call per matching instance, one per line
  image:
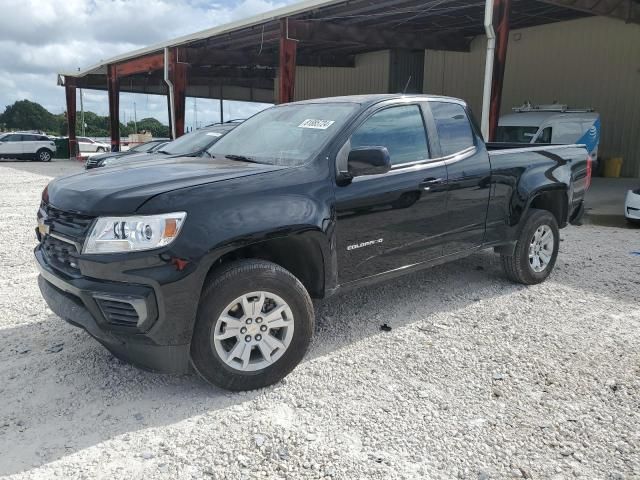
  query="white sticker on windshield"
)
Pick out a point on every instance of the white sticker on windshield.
point(214, 134)
point(319, 124)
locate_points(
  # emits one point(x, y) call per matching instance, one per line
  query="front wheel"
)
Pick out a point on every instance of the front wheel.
point(536, 249)
point(254, 325)
point(100, 150)
point(44, 155)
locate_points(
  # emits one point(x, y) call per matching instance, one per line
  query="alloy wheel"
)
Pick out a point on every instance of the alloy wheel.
point(253, 331)
point(541, 248)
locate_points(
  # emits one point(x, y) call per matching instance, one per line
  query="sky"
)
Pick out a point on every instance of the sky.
point(39, 38)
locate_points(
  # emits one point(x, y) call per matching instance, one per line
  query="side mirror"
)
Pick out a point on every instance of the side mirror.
point(368, 161)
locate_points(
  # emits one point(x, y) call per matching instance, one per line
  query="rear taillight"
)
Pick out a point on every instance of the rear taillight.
point(589, 171)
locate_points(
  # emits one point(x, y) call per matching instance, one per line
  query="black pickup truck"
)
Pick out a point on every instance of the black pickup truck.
point(213, 262)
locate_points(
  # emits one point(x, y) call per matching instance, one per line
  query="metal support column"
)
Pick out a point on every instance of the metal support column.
point(70, 94)
point(501, 11)
point(287, 65)
point(113, 87)
point(176, 80)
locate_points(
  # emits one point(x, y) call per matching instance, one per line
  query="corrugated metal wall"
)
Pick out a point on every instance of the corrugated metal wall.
point(588, 62)
point(406, 71)
point(370, 75)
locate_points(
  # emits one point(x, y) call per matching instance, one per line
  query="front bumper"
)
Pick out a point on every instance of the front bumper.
point(632, 205)
point(77, 300)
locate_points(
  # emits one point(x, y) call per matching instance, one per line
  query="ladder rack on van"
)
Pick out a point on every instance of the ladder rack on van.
point(556, 107)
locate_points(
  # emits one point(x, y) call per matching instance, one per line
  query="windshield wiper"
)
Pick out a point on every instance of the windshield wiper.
point(164, 151)
point(241, 158)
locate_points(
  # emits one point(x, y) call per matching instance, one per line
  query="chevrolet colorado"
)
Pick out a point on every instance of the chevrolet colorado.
point(212, 262)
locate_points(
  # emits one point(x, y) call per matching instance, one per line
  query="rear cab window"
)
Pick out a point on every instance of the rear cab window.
point(453, 126)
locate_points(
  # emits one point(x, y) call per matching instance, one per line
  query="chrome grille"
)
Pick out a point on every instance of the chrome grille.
point(69, 224)
point(91, 162)
point(59, 254)
point(62, 244)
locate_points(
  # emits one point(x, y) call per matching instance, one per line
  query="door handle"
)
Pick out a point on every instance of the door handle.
point(430, 182)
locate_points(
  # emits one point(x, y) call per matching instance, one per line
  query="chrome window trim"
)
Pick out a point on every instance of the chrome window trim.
point(414, 167)
point(461, 155)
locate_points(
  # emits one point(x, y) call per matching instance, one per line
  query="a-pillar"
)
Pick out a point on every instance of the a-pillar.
point(70, 94)
point(113, 88)
point(287, 65)
point(501, 11)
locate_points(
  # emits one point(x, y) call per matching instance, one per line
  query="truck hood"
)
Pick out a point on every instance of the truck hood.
point(123, 189)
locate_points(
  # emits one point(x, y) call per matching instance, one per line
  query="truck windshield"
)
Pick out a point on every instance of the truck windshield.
point(286, 135)
point(516, 134)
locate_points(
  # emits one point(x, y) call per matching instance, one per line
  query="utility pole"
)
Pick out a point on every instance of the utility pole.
point(135, 119)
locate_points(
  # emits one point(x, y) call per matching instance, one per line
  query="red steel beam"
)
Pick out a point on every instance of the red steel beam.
point(113, 88)
point(70, 94)
point(178, 76)
point(287, 65)
point(501, 11)
point(145, 64)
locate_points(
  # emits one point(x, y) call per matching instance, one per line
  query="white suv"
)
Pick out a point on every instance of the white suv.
point(32, 146)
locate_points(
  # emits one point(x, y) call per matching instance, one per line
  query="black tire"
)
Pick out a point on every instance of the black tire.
point(44, 155)
point(518, 267)
point(100, 150)
point(226, 285)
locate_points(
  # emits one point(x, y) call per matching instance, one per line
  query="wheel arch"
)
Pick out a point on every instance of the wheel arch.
point(554, 200)
point(300, 254)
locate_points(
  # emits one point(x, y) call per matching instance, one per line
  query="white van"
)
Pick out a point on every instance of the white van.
point(551, 124)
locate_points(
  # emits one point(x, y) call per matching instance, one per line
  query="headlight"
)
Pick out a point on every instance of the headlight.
point(135, 233)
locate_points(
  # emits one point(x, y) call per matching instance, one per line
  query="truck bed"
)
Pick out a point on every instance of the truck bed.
point(497, 146)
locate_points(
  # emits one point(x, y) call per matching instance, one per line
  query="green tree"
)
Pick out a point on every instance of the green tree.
point(27, 115)
point(153, 126)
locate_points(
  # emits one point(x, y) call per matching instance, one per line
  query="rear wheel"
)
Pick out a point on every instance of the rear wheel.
point(536, 250)
point(44, 155)
point(254, 325)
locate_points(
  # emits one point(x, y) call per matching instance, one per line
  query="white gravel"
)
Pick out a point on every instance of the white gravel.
point(477, 379)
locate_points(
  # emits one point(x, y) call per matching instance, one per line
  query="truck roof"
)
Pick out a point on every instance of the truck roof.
point(535, 119)
point(371, 99)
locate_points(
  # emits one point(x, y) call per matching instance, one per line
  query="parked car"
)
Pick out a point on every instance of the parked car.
point(212, 262)
point(27, 145)
point(554, 123)
point(88, 145)
point(192, 144)
point(148, 147)
point(632, 206)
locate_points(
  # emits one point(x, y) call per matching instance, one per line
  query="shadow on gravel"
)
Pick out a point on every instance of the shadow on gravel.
point(56, 403)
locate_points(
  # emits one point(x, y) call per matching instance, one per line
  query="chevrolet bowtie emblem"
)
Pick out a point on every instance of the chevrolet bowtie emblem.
point(43, 228)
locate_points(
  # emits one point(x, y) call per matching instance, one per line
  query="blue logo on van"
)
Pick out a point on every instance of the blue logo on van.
point(592, 137)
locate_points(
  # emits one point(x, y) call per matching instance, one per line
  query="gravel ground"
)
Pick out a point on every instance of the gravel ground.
point(478, 378)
